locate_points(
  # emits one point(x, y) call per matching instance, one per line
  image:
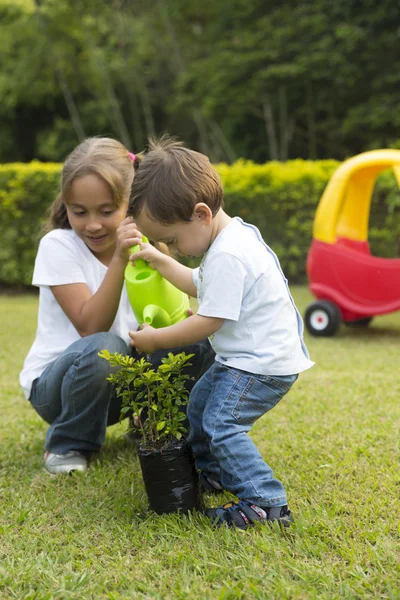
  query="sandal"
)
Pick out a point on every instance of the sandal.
point(244, 514)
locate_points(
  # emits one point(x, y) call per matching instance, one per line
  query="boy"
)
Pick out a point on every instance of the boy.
point(246, 310)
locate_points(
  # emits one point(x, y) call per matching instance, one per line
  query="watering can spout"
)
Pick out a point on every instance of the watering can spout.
point(156, 316)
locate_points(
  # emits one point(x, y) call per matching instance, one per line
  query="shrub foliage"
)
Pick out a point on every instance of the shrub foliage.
point(279, 198)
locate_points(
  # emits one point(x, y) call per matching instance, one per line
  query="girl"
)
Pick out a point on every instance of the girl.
point(83, 305)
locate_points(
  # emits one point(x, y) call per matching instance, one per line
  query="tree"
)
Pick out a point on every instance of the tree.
point(260, 79)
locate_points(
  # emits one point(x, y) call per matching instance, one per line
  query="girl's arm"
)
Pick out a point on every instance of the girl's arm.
point(90, 313)
point(185, 332)
point(179, 275)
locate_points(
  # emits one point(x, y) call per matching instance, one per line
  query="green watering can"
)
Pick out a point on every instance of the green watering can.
point(153, 299)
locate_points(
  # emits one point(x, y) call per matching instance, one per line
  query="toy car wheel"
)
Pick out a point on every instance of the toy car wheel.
point(322, 318)
point(359, 322)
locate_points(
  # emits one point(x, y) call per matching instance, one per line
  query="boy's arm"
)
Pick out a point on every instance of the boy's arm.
point(179, 275)
point(184, 333)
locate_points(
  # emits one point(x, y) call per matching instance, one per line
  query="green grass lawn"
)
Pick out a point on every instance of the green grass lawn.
point(333, 441)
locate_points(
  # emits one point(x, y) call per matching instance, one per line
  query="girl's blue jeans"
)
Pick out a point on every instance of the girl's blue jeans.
point(223, 406)
point(75, 398)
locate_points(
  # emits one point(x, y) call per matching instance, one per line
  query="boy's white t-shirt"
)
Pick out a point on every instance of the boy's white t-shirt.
point(64, 258)
point(240, 280)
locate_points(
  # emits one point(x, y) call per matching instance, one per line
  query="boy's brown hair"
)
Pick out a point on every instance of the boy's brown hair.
point(171, 179)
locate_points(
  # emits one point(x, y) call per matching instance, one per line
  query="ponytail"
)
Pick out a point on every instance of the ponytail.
point(137, 161)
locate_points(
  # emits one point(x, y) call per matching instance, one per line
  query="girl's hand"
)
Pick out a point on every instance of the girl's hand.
point(148, 253)
point(127, 235)
point(144, 339)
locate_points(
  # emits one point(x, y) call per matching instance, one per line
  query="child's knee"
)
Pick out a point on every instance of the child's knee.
point(89, 358)
point(108, 341)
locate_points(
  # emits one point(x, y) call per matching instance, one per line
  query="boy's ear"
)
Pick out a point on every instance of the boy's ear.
point(202, 212)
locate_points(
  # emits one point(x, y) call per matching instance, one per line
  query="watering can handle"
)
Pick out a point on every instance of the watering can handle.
point(140, 264)
point(136, 247)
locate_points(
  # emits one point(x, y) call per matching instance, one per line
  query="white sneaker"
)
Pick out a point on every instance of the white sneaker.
point(65, 463)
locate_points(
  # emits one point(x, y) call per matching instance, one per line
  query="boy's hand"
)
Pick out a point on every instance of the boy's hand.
point(144, 340)
point(149, 253)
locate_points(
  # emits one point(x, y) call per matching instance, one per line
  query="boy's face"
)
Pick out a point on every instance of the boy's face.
point(185, 239)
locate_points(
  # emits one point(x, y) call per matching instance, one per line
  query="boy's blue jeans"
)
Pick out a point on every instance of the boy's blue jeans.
point(75, 398)
point(223, 406)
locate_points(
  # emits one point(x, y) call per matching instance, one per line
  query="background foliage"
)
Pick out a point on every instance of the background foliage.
point(279, 198)
point(234, 78)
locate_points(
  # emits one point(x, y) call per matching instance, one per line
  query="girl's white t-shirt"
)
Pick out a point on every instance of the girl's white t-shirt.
point(240, 280)
point(63, 258)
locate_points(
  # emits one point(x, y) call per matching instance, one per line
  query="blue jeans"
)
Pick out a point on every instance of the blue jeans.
point(75, 398)
point(223, 406)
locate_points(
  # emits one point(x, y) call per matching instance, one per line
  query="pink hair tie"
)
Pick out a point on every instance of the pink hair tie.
point(132, 156)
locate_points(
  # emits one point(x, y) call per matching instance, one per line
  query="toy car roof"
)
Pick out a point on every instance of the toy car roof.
point(343, 210)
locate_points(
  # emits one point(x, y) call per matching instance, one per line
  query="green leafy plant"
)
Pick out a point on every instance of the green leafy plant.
point(153, 396)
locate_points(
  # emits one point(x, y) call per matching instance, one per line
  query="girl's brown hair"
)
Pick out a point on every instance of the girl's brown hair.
point(171, 180)
point(101, 156)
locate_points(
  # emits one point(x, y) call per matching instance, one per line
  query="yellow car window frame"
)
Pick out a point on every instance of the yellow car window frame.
point(343, 210)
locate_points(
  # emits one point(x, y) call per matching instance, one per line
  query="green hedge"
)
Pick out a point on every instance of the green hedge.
point(280, 198)
point(26, 191)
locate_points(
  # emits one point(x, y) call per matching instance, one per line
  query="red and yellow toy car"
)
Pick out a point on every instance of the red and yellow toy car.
point(349, 283)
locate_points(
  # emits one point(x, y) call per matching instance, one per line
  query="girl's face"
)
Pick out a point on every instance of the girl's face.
point(94, 216)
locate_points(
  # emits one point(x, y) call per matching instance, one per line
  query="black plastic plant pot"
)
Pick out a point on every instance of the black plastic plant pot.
point(170, 478)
